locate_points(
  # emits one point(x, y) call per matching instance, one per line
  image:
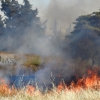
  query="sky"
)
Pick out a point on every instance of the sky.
point(64, 12)
point(44, 5)
point(40, 4)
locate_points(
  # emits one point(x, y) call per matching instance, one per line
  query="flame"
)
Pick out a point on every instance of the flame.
point(30, 90)
point(91, 81)
point(5, 90)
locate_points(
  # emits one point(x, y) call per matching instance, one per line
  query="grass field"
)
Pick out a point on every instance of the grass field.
point(59, 93)
point(88, 94)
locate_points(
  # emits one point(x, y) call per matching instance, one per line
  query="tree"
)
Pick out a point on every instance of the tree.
point(2, 28)
point(85, 39)
point(18, 19)
point(11, 10)
point(30, 16)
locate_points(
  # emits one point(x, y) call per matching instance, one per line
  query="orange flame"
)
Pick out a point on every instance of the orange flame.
point(91, 81)
point(5, 90)
point(30, 90)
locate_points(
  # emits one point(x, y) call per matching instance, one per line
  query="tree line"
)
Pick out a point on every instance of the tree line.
point(83, 42)
point(85, 38)
point(17, 18)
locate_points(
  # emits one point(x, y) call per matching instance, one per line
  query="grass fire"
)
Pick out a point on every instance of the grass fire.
point(87, 87)
point(49, 50)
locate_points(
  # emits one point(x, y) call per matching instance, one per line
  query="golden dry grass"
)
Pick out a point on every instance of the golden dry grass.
point(88, 94)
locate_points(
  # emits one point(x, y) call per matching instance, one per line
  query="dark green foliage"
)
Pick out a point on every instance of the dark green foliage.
point(18, 19)
point(11, 10)
point(2, 29)
point(85, 38)
point(19, 16)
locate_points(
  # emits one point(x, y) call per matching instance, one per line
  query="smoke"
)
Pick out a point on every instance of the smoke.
point(65, 12)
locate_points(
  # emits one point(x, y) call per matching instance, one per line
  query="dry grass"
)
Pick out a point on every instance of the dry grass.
point(32, 62)
point(88, 94)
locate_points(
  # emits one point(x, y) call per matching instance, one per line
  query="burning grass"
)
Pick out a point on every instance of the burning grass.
point(86, 88)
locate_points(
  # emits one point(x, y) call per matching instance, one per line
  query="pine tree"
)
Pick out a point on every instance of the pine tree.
point(20, 16)
point(11, 10)
point(29, 17)
point(18, 19)
point(2, 28)
point(85, 37)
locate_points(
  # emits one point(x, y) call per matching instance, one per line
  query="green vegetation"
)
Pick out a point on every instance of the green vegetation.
point(32, 62)
point(84, 39)
point(18, 19)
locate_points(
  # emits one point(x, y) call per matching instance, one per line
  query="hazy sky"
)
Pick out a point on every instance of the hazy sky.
point(40, 4)
point(63, 11)
point(43, 5)
point(37, 2)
